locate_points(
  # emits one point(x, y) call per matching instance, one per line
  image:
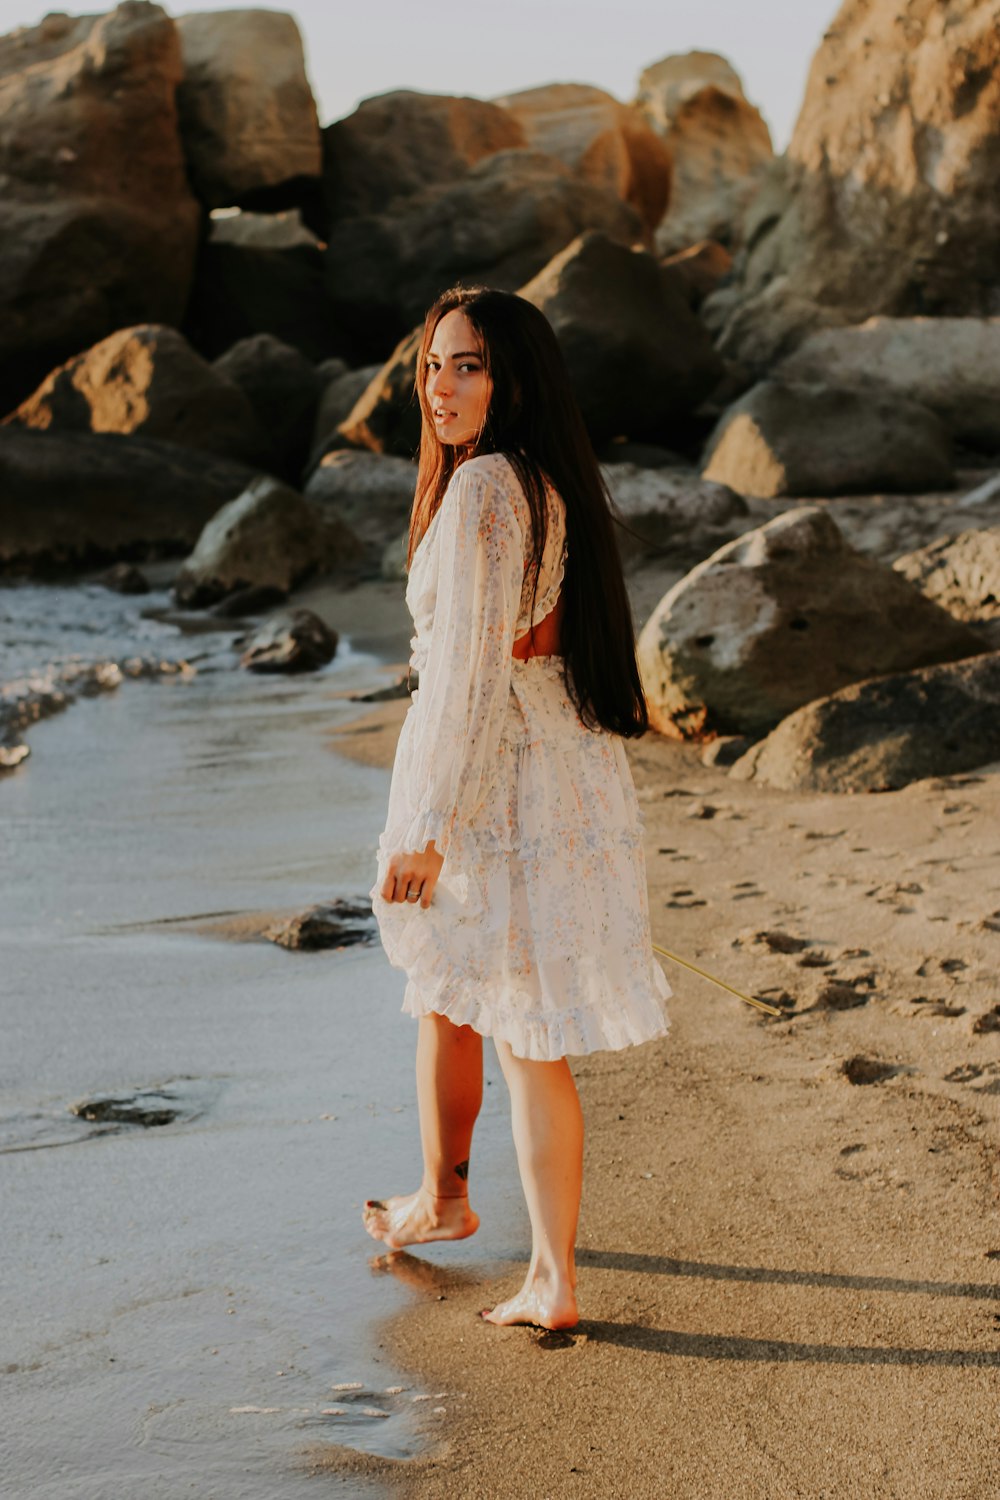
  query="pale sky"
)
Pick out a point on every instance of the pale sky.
point(490, 47)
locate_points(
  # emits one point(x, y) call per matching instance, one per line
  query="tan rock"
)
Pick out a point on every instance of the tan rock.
point(602, 140)
point(719, 143)
point(886, 201)
point(961, 573)
point(98, 227)
point(247, 115)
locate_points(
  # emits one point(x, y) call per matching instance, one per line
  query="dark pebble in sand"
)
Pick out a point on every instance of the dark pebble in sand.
point(861, 1070)
point(332, 924)
point(162, 1104)
point(988, 1022)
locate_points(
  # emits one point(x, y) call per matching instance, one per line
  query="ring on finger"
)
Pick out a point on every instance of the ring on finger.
point(413, 895)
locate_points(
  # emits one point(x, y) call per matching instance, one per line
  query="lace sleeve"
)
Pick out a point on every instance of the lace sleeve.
point(464, 685)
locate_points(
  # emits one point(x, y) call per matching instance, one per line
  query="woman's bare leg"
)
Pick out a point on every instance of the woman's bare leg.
point(548, 1134)
point(449, 1096)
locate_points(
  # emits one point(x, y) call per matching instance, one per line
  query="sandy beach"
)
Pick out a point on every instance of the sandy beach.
point(789, 1252)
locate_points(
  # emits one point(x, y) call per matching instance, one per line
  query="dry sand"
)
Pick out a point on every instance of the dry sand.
point(789, 1280)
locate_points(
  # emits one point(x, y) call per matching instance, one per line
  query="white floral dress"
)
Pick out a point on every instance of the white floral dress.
point(538, 930)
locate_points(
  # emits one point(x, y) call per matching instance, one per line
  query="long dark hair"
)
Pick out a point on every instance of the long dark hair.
point(535, 421)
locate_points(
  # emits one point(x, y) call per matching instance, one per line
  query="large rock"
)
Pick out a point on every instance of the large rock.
point(498, 224)
point(602, 140)
point(242, 290)
point(147, 381)
point(279, 231)
point(809, 440)
point(283, 389)
point(247, 115)
point(269, 536)
point(298, 641)
point(719, 143)
point(371, 494)
point(951, 365)
point(886, 200)
point(880, 735)
point(385, 418)
point(783, 614)
point(398, 144)
point(639, 360)
point(98, 226)
point(670, 510)
point(961, 573)
point(339, 398)
point(72, 500)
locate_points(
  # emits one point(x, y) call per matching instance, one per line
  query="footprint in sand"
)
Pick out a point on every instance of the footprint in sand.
point(683, 904)
point(932, 964)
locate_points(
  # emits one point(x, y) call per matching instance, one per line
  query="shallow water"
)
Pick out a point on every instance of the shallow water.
point(182, 1301)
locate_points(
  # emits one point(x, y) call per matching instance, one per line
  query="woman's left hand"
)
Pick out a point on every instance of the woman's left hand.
point(412, 873)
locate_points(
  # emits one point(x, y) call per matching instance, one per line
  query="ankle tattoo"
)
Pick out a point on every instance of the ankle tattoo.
point(462, 1170)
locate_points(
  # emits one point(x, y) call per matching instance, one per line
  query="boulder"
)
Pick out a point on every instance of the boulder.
point(701, 267)
point(283, 389)
point(961, 573)
point(669, 510)
point(386, 416)
point(368, 492)
point(124, 578)
point(398, 144)
point(340, 396)
point(499, 224)
point(268, 535)
point(719, 143)
point(149, 381)
point(601, 140)
point(883, 734)
point(98, 226)
point(242, 290)
point(279, 231)
point(639, 360)
point(886, 200)
point(75, 499)
point(811, 440)
point(298, 641)
point(951, 365)
point(247, 115)
point(781, 615)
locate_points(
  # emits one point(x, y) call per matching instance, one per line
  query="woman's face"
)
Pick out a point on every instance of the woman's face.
point(457, 385)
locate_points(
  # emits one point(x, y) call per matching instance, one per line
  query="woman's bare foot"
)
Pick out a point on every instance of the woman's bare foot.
point(418, 1219)
point(549, 1304)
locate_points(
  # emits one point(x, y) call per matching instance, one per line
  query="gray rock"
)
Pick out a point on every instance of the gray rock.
point(336, 404)
point(386, 416)
point(670, 509)
point(333, 924)
point(809, 440)
point(76, 499)
point(961, 573)
point(639, 359)
point(951, 365)
point(147, 380)
point(283, 388)
point(298, 641)
point(268, 536)
point(247, 115)
point(879, 735)
point(782, 615)
point(241, 290)
point(98, 225)
point(369, 492)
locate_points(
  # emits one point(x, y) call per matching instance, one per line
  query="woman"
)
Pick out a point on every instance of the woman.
point(511, 883)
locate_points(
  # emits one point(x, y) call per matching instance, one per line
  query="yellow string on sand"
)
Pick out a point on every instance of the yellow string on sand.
point(770, 1009)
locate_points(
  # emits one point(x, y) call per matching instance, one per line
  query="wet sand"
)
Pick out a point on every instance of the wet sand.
point(789, 1250)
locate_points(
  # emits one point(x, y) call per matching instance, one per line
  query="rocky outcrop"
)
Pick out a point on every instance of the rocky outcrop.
point(242, 290)
point(961, 573)
point(340, 396)
point(281, 231)
point(268, 536)
point(500, 223)
point(886, 199)
point(717, 139)
point(670, 510)
point(148, 381)
point(951, 365)
point(784, 614)
point(880, 735)
point(639, 360)
point(701, 267)
point(368, 492)
point(247, 115)
point(75, 499)
point(98, 226)
point(385, 418)
point(399, 144)
point(809, 440)
point(603, 141)
point(283, 389)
